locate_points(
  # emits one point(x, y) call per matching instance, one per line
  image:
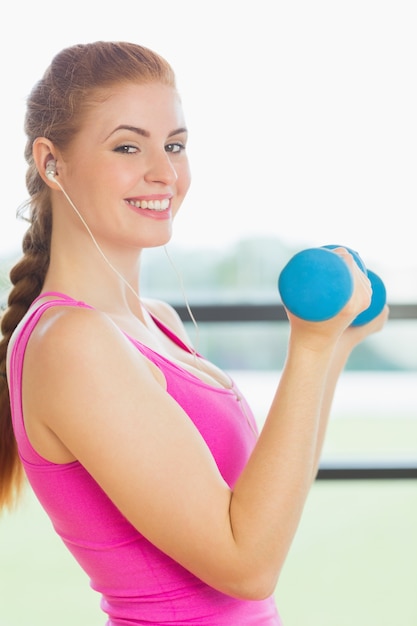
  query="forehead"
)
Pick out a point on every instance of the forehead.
point(152, 106)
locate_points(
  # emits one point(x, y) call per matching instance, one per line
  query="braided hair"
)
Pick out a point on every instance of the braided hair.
point(55, 110)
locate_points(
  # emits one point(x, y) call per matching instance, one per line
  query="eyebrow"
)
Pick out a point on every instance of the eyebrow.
point(143, 132)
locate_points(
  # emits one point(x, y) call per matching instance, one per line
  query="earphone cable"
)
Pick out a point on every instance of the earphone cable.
point(177, 273)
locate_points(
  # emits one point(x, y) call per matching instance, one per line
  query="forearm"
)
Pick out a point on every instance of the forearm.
point(270, 495)
point(341, 355)
point(347, 342)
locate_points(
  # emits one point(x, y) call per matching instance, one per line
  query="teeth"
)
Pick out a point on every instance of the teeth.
point(153, 205)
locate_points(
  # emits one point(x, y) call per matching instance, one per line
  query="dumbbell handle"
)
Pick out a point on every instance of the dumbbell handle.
point(316, 284)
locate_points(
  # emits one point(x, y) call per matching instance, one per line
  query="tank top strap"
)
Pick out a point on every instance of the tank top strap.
point(36, 311)
point(171, 335)
point(57, 295)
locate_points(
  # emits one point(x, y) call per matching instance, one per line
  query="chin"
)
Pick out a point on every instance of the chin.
point(157, 242)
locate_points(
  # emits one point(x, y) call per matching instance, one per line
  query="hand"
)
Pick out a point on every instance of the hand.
point(354, 335)
point(318, 335)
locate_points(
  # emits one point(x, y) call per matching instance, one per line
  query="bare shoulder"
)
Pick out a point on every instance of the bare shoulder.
point(63, 329)
point(78, 344)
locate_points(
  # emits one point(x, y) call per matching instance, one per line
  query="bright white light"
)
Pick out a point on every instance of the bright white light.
point(302, 115)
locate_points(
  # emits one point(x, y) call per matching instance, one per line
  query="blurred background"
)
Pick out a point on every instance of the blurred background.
point(303, 132)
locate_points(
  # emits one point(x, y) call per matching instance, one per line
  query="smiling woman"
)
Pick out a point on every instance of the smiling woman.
point(140, 166)
point(145, 456)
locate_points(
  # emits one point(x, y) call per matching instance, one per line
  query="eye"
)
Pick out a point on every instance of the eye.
point(176, 147)
point(126, 149)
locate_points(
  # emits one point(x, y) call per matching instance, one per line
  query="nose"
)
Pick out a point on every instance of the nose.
point(161, 169)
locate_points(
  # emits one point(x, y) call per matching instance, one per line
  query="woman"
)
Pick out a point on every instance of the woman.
point(144, 455)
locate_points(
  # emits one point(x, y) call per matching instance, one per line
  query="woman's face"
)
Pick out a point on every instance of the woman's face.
point(127, 170)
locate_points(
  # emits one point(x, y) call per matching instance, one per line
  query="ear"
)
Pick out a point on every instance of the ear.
point(43, 151)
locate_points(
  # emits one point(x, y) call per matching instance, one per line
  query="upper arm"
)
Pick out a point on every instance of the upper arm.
point(106, 406)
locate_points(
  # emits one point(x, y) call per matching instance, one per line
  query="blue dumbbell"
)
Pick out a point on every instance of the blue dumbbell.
point(316, 284)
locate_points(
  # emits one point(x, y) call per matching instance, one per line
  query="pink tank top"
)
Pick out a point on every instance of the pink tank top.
point(138, 583)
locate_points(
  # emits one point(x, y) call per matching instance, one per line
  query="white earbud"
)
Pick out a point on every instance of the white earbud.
point(50, 169)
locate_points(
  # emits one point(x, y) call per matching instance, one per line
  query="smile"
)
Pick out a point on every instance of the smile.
point(152, 205)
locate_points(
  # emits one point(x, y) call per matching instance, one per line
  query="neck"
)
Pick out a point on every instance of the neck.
point(97, 277)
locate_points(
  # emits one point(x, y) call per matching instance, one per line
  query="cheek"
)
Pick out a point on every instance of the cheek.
point(120, 177)
point(182, 186)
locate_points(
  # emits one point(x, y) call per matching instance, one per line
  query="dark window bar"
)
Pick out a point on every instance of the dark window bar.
point(348, 470)
point(245, 312)
point(352, 470)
